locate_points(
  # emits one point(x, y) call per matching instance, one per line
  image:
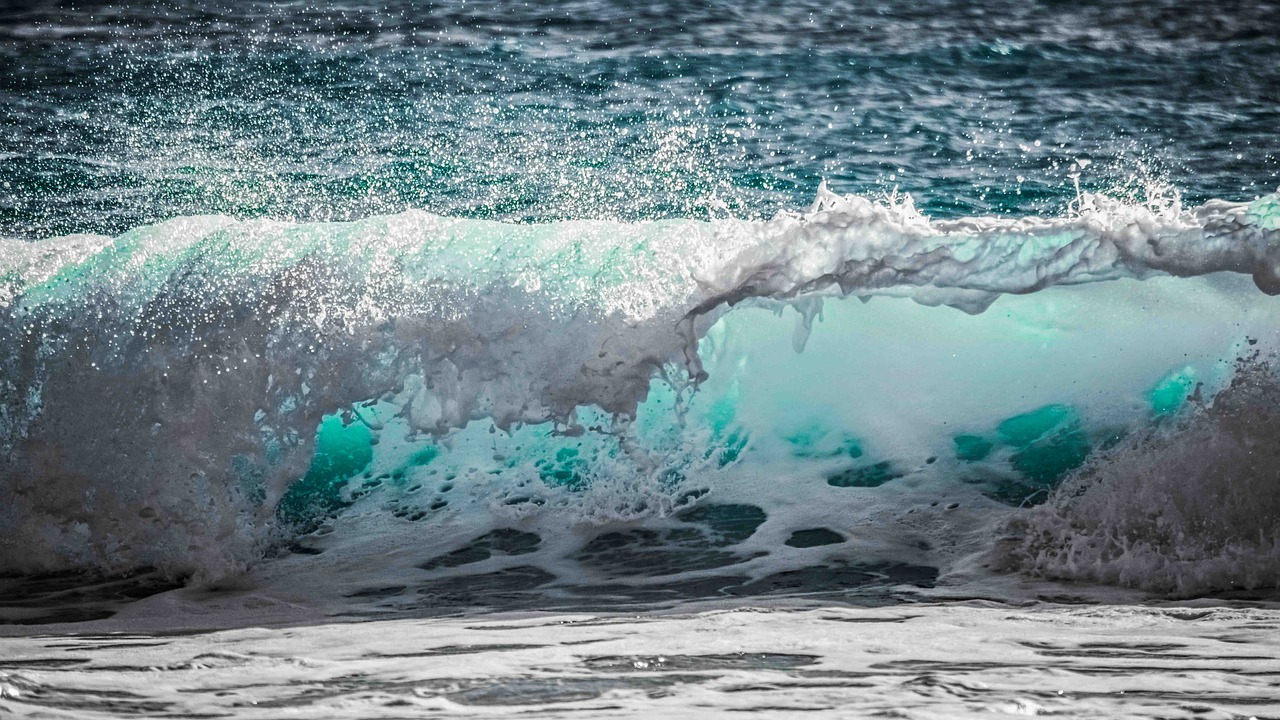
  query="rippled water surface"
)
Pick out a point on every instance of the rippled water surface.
point(121, 114)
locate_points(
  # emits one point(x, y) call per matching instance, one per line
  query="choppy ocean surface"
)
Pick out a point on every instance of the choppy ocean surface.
point(485, 358)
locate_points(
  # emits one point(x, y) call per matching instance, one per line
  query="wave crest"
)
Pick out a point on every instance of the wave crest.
point(161, 389)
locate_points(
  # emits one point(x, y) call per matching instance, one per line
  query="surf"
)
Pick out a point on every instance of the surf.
point(200, 395)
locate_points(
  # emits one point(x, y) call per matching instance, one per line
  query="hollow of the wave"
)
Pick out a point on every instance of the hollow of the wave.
point(1030, 405)
point(343, 449)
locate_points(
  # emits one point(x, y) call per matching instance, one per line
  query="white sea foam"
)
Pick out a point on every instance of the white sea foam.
point(920, 661)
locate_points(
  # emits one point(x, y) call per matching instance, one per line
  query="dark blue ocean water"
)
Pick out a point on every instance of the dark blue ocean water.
point(114, 115)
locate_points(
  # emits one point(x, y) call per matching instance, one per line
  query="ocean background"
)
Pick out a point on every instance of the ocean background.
point(120, 115)
point(368, 359)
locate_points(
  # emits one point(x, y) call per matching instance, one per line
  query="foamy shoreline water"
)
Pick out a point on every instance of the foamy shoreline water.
point(910, 661)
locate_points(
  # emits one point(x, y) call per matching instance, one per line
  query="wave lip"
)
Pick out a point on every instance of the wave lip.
point(867, 248)
point(161, 389)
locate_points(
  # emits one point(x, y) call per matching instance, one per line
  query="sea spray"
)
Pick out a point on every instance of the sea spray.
point(1186, 507)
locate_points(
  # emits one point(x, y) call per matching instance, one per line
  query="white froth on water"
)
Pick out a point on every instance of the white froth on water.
point(919, 661)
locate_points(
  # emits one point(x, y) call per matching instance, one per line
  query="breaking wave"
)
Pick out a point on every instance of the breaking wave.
point(190, 394)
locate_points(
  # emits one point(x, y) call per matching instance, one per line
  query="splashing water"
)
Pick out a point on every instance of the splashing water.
point(163, 387)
